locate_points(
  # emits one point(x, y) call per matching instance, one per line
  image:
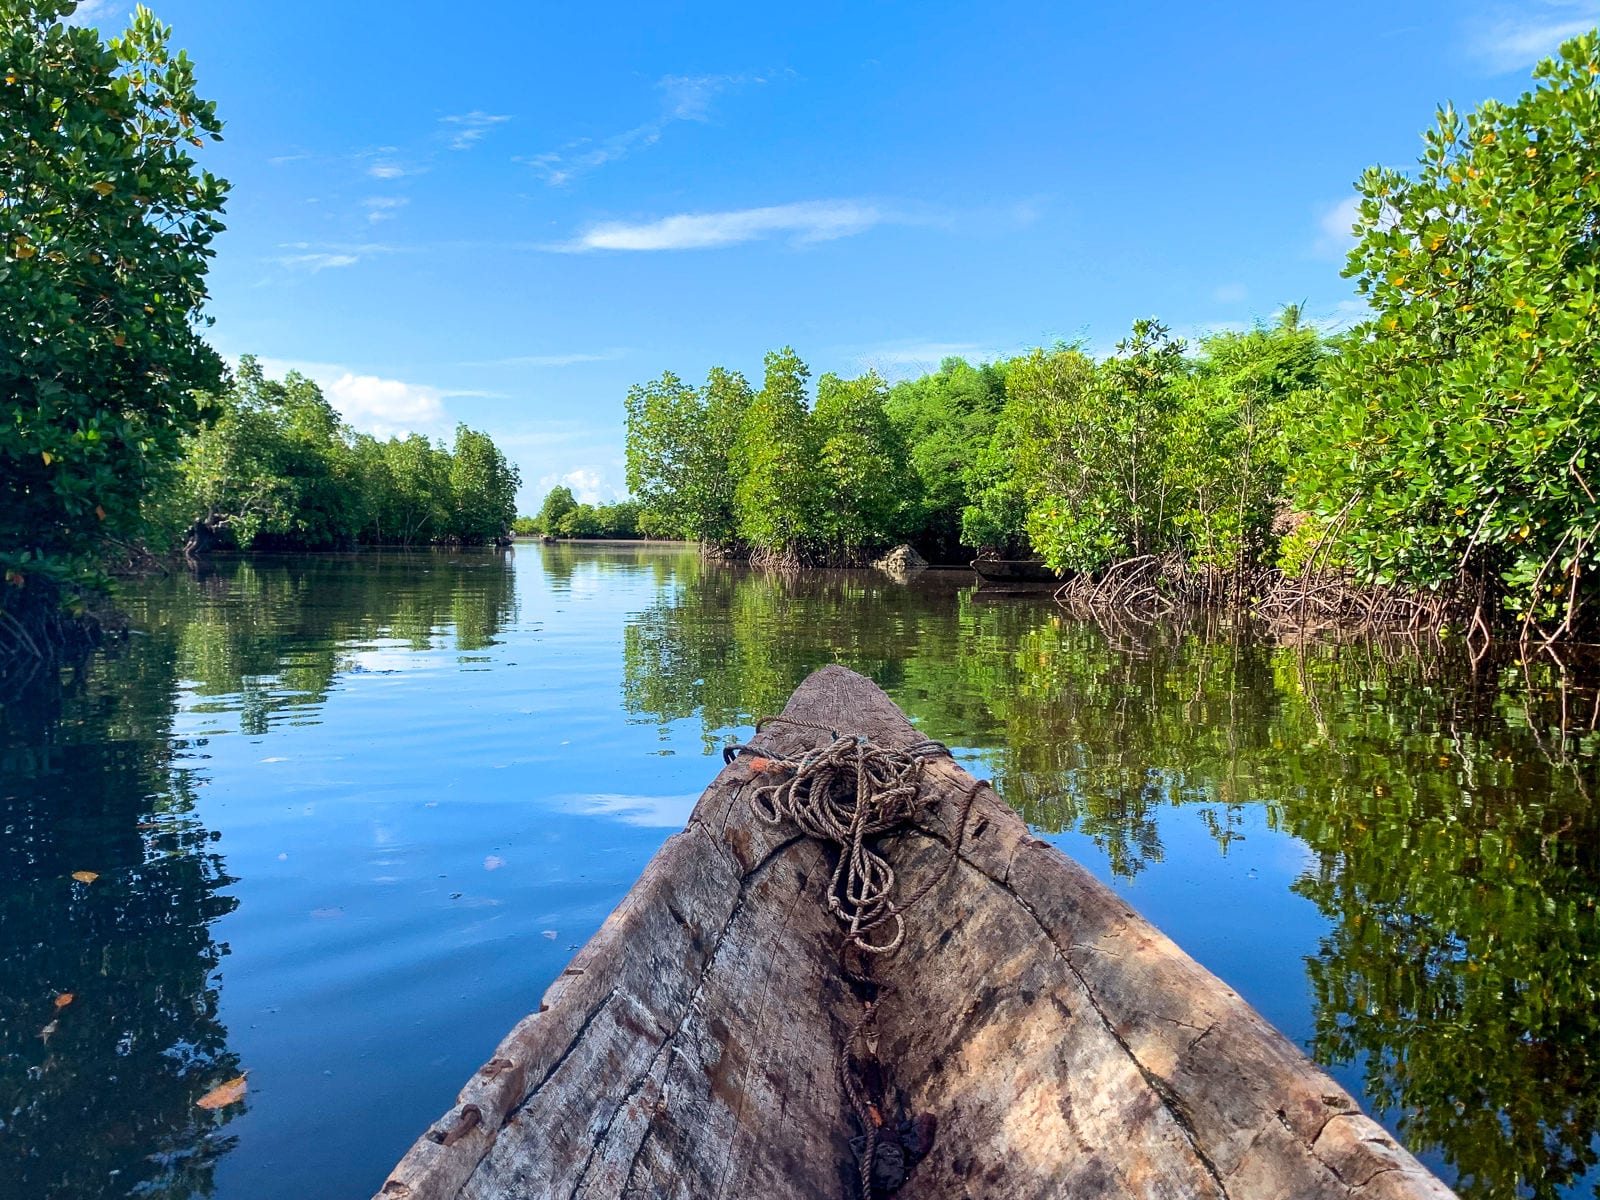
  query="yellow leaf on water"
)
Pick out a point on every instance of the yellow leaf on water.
point(223, 1094)
point(64, 999)
point(86, 876)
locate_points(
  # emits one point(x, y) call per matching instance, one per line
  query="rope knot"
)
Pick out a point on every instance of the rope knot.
point(850, 795)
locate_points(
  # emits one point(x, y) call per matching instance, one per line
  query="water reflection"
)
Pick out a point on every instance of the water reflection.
point(1448, 813)
point(109, 994)
point(108, 997)
point(443, 833)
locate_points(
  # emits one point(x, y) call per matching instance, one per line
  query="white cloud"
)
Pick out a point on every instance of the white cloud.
point(388, 168)
point(320, 256)
point(1230, 293)
point(382, 208)
point(1334, 225)
point(809, 221)
point(371, 404)
point(317, 262)
point(547, 360)
point(91, 12)
point(684, 98)
point(280, 160)
point(657, 812)
point(470, 128)
point(689, 97)
point(589, 485)
point(386, 407)
point(1509, 39)
point(559, 167)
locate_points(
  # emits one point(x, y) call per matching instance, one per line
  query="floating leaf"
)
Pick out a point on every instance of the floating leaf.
point(223, 1094)
point(86, 876)
point(49, 1029)
point(64, 999)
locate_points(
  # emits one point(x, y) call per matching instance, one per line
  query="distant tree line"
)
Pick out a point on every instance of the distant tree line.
point(1050, 453)
point(561, 515)
point(1438, 461)
point(274, 468)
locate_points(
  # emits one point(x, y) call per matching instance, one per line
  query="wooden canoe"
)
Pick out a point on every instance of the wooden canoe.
point(1066, 1047)
point(1014, 570)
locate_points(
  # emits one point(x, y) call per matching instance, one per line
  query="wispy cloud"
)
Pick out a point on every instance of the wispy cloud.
point(1335, 228)
point(469, 128)
point(282, 160)
point(1510, 38)
point(90, 12)
point(320, 256)
point(656, 812)
point(316, 262)
point(388, 168)
point(808, 221)
point(684, 98)
point(382, 208)
point(547, 360)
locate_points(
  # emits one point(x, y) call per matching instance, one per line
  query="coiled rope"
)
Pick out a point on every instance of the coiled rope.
point(848, 795)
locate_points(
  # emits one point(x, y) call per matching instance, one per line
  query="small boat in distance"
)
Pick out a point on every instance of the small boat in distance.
point(1011, 1029)
point(1014, 570)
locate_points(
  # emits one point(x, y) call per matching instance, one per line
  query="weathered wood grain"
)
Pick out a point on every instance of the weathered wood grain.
point(1066, 1046)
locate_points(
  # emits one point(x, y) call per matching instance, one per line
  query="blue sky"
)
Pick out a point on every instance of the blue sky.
point(508, 214)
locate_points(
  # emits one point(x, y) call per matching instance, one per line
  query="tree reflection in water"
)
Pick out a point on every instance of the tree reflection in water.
point(1451, 821)
point(98, 1094)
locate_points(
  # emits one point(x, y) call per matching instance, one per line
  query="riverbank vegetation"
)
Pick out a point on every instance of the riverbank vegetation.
point(561, 515)
point(105, 236)
point(274, 468)
point(1434, 463)
point(120, 429)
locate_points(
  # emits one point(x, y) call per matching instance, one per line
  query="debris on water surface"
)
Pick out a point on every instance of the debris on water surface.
point(223, 1094)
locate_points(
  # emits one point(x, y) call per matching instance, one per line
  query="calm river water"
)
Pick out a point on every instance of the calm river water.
point(346, 817)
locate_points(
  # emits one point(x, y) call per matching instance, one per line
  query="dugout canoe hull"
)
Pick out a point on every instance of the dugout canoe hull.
point(1065, 1045)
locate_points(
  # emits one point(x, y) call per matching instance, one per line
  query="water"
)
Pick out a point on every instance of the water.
point(347, 818)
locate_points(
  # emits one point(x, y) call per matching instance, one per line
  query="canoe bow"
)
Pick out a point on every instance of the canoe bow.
point(1065, 1046)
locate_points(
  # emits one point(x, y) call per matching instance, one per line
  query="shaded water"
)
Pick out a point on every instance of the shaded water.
point(347, 817)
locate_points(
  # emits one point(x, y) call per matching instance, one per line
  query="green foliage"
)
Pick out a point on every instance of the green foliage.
point(276, 468)
point(1233, 435)
point(483, 489)
point(680, 443)
point(525, 526)
point(558, 502)
point(106, 226)
point(600, 521)
point(866, 491)
point(775, 500)
point(1465, 434)
point(948, 419)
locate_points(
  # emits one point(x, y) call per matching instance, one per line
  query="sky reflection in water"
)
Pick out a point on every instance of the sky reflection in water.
point(349, 816)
